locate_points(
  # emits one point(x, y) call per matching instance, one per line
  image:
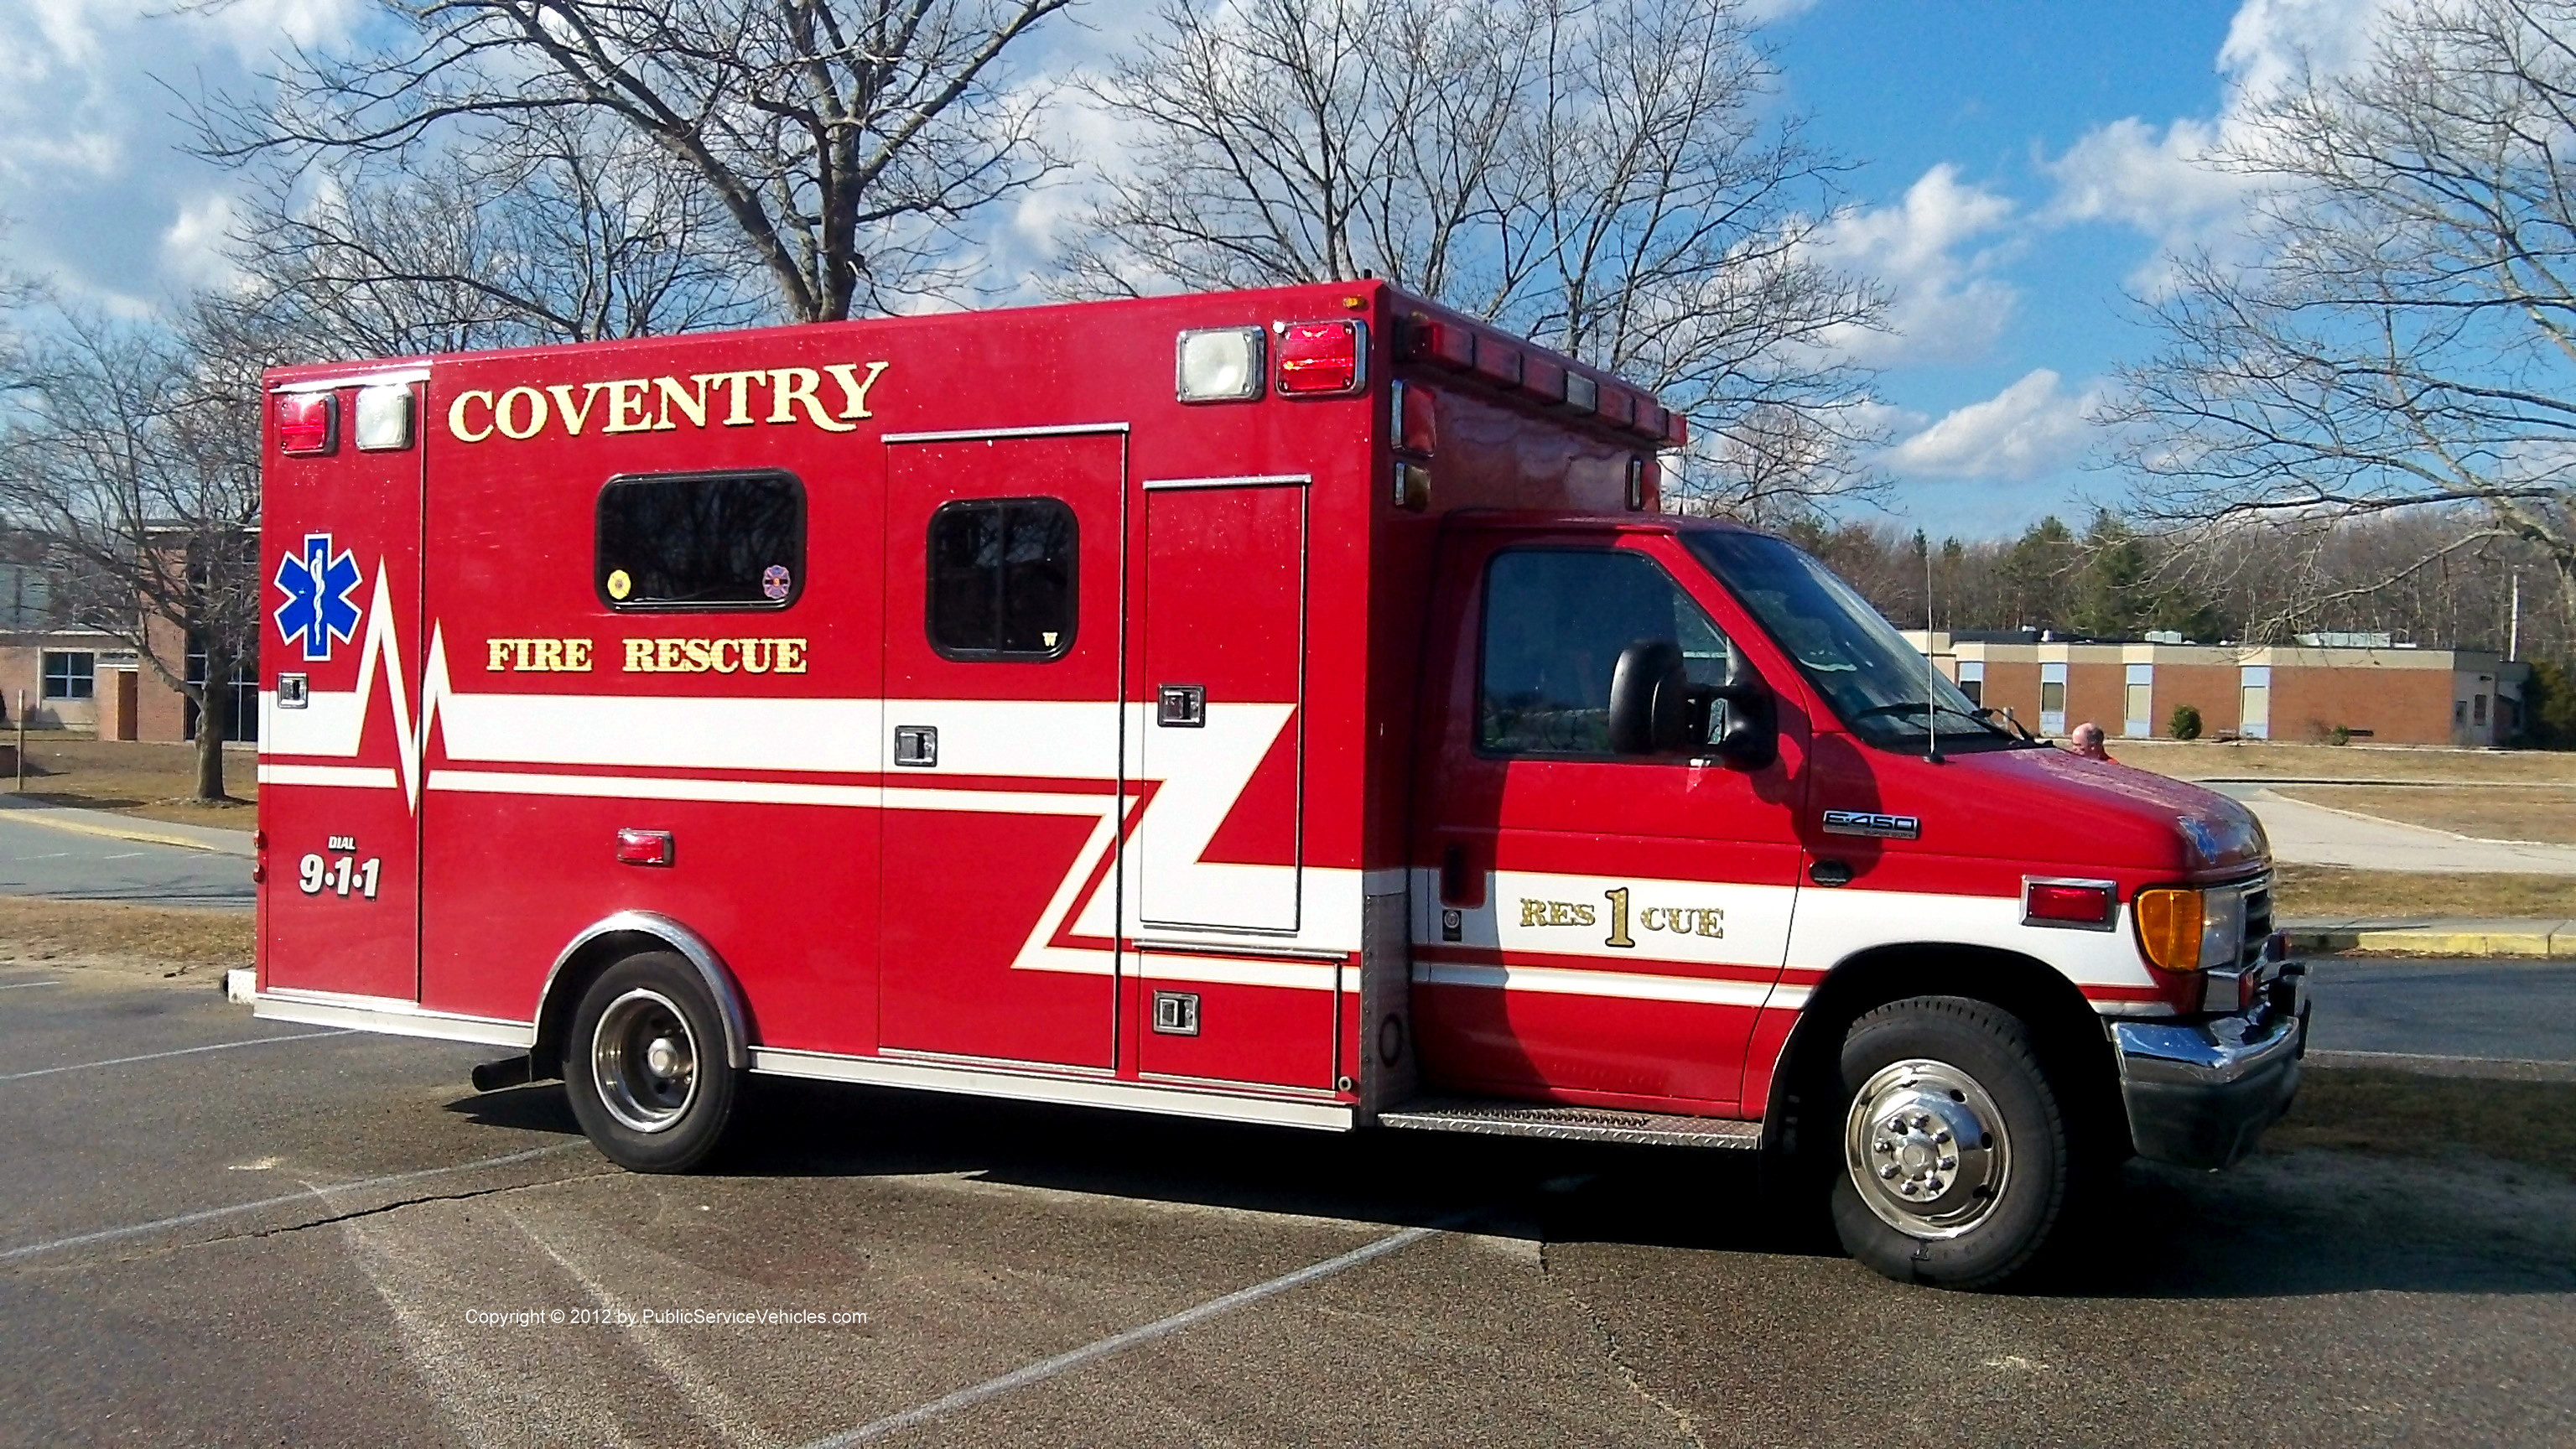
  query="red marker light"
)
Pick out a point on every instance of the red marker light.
point(2066, 903)
point(643, 847)
point(1319, 359)
point(308, 423)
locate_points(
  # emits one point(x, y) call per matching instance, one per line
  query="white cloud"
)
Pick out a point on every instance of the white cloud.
point(192, 250)
point(2029, 429)
point(2159, 180)
point(1934, 252)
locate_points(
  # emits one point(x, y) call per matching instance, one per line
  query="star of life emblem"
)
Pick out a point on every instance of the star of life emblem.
point(318, 608)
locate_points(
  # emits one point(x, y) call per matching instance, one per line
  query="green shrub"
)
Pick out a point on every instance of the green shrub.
point(2185, 724)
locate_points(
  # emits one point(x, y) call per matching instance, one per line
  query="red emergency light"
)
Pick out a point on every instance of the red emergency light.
point(308, 423)
point(1319, 359)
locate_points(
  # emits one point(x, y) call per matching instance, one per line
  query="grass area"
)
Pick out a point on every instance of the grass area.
point(2329, 892)
point(155, 781)
point(2526, 811)
point(2400, 1113)
point(2266, 760)
point(162, 938)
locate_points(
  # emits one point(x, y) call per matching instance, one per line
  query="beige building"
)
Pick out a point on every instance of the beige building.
point(2390, 694)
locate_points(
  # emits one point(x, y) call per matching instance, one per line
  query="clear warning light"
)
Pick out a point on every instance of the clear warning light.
point(1220, 364)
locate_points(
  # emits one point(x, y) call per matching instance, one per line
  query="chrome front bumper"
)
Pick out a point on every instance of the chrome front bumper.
point(2199, 1093)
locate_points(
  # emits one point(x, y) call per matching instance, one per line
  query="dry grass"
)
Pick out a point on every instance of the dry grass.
point(2486, 812)
point(2264, 760)
point(155, 781)
point(2400, 1113)
point(158, 938)
point(2313, 892)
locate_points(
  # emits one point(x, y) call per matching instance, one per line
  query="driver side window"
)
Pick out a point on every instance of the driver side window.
point(1555, 622)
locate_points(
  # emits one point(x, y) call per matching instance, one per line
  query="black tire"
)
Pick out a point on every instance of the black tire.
point(1959, 1172)
point(650, 1003)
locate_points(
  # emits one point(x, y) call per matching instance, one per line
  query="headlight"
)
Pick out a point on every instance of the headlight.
point(2190, 930)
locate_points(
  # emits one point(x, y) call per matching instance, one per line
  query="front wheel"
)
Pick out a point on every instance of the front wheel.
point(1954, 1150)
point(645, 1065)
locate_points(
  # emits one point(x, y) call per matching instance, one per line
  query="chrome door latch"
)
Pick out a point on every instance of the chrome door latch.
point(917, 746)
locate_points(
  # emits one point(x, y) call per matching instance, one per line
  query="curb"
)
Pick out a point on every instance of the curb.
point(40, 815)
point(2539, 945)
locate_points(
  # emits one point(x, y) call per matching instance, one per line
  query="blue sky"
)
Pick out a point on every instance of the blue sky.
point(2021, 167)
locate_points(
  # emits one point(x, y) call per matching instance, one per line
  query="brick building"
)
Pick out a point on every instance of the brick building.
point(87, 680)
point(2387, 693)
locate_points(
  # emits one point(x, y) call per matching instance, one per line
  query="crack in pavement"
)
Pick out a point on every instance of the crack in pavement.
point(1611, 1351)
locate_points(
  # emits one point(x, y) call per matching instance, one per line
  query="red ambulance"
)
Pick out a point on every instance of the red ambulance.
point(1281, 707)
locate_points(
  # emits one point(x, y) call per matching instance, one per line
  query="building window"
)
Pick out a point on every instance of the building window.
point(1556, 621)
point(1972, 681)
point(70, 674)
point(2478, 711)
point(701, 541)
point(1002, 579)
point(243, 726)
point(2137, 701)
point(2254, 702)
point(2052, 699)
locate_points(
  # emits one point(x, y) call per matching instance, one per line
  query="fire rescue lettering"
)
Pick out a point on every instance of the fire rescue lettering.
point(720, 656)
point(649, 656)
point(776, 395)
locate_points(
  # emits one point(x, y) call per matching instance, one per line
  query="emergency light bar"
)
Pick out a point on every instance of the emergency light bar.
point(1507, 365)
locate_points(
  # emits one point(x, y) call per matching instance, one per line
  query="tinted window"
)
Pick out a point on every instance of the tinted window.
point(1555, 623)
point(701, 541)
point(1001, 579)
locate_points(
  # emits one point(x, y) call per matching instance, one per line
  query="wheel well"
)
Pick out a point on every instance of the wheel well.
point(571, 980)
point(2073, 1047)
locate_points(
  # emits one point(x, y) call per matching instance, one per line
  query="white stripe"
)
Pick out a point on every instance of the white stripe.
point(977, 435)
point(14, 985)
point(1248, 480)
point(1048, 1368)
point(651, 787)
point(1621, 985)
point(355, 777)
point(221, 1046)
point(1239, 971)
point(109, 1235)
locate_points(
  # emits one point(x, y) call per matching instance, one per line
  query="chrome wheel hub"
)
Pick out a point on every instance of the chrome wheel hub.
point(1926, 1147)
point(644, 1061)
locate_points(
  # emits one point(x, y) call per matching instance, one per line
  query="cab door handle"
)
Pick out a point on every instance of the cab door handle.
point(917, 746)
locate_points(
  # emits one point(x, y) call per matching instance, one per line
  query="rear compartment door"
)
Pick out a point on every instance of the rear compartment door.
point(1003, 797)
point(340, 653)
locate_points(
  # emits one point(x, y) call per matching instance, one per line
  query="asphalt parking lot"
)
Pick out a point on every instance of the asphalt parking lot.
point(229, 1230)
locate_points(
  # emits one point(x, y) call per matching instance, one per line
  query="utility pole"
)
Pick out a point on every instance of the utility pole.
point(2513, 630)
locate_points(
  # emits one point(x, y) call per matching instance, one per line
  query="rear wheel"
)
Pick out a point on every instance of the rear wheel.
point(645, 1065)
point(1953, 1148)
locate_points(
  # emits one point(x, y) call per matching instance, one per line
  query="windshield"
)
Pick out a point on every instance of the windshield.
point(1875, 681)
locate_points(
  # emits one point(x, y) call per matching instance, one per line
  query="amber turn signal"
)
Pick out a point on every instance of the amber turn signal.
point(2169, 927)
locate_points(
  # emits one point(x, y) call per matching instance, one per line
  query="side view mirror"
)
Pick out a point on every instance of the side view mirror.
point(1650, 699)
point(1749, 737)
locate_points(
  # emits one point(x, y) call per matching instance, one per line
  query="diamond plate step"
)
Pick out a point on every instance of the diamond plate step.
point(1584, 1124)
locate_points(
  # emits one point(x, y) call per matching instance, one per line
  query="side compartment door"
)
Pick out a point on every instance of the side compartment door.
point(340, 653)
point(1003, 801)
point(1604, 928)
point(1217, 857)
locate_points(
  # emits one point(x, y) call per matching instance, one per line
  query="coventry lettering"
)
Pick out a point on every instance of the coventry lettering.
point(770, 395)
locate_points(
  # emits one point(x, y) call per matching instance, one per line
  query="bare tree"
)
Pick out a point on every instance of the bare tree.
point(564, 230)
point(843, 140)
point(134, 460)
point(1606, 176)
point(2405, 337)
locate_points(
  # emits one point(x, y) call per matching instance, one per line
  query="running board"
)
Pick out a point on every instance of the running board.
point(1571, 1124)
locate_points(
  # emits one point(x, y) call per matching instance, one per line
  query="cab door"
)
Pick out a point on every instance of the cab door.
point(1002, 743)
point(1604, 928)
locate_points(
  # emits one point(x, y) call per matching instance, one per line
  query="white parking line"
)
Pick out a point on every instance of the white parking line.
point(14, 985)
point(221, 1046)
point(126, 855)
point(1048, 1368)
point(109, 1235)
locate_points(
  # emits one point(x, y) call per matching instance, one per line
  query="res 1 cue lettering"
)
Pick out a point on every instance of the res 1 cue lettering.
point(715, 656)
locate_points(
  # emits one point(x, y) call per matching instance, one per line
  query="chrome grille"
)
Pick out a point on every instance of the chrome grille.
point(2258, 920)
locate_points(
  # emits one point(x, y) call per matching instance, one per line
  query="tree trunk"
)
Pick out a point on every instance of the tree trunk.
point(214, 721)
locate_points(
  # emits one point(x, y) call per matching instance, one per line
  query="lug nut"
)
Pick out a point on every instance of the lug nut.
point(1888, 1172)
point(1942, 1137)
point(1885, 1146)
point(1948, 1163)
